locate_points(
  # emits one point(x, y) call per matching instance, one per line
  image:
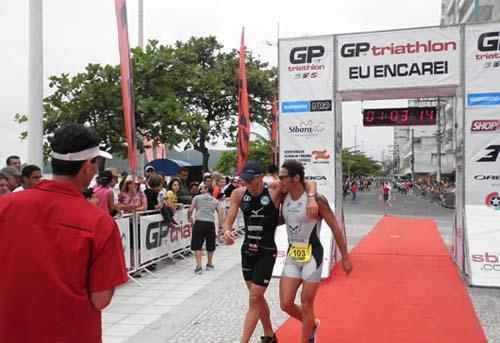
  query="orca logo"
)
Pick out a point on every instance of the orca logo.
point(489, 41)
point(354, 49)
point(306, 54)
point(492, 156)
point(316, 178)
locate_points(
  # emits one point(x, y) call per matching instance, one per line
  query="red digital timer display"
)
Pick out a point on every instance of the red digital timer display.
point(407, 116)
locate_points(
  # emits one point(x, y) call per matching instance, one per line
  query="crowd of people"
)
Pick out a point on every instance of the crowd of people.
point(82, 250)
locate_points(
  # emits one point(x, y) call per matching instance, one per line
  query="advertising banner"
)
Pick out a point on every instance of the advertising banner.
point(124, 225)
point(482, 148)
point(428, 57)
point(157, 240)
point(307, 123)
point(306, 127)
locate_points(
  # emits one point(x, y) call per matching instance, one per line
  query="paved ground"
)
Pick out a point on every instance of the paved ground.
point(180, 307)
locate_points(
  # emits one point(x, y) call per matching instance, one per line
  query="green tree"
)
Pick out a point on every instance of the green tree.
point(260, 150)
point(183, 93)
point(357, 164)
point(211, 92)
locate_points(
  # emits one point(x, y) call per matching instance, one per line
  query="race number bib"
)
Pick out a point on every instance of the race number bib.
point(300, 252)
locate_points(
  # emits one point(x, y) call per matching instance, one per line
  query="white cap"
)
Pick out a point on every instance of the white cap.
point(206, 175)
point(82, 155)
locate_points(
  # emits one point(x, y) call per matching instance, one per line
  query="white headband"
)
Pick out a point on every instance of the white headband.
point(82, 155)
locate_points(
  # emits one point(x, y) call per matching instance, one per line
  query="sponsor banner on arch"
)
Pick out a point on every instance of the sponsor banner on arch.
point(428, 57)
point(306, 108)
point(482, 65)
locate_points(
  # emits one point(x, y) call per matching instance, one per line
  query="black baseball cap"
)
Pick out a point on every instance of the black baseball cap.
point(251, 170)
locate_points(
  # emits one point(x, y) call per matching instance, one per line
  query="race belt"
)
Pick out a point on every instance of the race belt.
point(300, 252)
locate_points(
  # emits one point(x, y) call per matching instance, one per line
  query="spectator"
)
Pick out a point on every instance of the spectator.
point(104, 193)
point(354, 190)
point(207, 180)
point(235, 183)
point(173, 192)
point(73, 258)
point(271, 174)
point(193, 188)
point(132, 198)
point(31, 176)
point(122, 181)
point(185, 195)
point(4, 184)
point(14, 177)
point(114, 185)
point(149, 171)
point(14, 162)
point(204, 226)
point(155, 185)
point(217, 187)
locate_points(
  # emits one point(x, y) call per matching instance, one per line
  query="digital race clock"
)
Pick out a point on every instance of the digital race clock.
point(407, 116)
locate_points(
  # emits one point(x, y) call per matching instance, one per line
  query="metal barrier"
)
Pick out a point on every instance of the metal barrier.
point(147, 240)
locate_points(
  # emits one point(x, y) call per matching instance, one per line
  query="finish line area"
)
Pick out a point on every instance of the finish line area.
point(404, 288)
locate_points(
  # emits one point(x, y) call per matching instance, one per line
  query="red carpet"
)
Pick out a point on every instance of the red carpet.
point(404, 288)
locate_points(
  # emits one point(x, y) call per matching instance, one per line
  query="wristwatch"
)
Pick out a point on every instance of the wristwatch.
point(311, 195)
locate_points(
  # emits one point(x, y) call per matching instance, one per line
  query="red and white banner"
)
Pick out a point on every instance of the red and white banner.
point(126, 83)
point(482, 150)
point(243, 110)
point(416, 58)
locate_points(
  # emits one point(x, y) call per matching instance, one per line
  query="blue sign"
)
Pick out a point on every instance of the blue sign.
point(483, 99)
point(295, 107)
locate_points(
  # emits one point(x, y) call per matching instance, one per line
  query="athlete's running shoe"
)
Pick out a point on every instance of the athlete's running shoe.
point(312, 339)
point(269, 339)
point(198, 270)
point(209, 267)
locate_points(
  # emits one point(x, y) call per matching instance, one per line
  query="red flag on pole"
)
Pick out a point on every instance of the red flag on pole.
point(274, 131)
point(243, 112)
point(126, 83)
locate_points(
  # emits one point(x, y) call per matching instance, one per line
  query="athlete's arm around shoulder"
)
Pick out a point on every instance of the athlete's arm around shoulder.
point(234, 205)
point(327, 214)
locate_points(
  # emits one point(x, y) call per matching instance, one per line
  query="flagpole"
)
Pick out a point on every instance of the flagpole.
point(35, 82)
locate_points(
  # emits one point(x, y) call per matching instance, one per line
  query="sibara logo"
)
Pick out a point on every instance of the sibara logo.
point(308, 128)
point(493, 201)
point(490, 125)
point(490, 262)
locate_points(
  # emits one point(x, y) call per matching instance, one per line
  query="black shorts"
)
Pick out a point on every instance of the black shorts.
point(257, 268)
point(203, 231)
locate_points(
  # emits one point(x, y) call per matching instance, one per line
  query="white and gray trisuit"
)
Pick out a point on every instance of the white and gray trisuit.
point(302, 232)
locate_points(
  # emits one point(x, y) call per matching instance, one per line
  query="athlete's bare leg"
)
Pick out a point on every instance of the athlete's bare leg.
point(288, 291)
point(257, 310)
point(307, 297)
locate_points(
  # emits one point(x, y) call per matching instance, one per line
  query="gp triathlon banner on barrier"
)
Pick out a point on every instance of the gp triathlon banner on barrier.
point(157, 240)
point(399, 59)
point(482, 148)
point(124, 225)
point(306, 125)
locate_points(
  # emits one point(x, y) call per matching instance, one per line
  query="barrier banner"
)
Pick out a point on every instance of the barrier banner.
point(157, 240)
point(482, 148)
point(428, 57)
point(124, 225)
point(307, 123)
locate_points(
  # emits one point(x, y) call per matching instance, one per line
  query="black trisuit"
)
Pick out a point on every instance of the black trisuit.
point(258, 252)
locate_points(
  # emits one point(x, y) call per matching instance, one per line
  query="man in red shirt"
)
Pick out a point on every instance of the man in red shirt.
point(60, 257)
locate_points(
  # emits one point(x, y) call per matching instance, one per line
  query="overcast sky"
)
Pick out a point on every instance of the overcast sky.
point(77, 32)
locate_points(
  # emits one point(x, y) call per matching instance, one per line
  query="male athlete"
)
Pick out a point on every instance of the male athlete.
point(259, 203)
point(303, 263)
